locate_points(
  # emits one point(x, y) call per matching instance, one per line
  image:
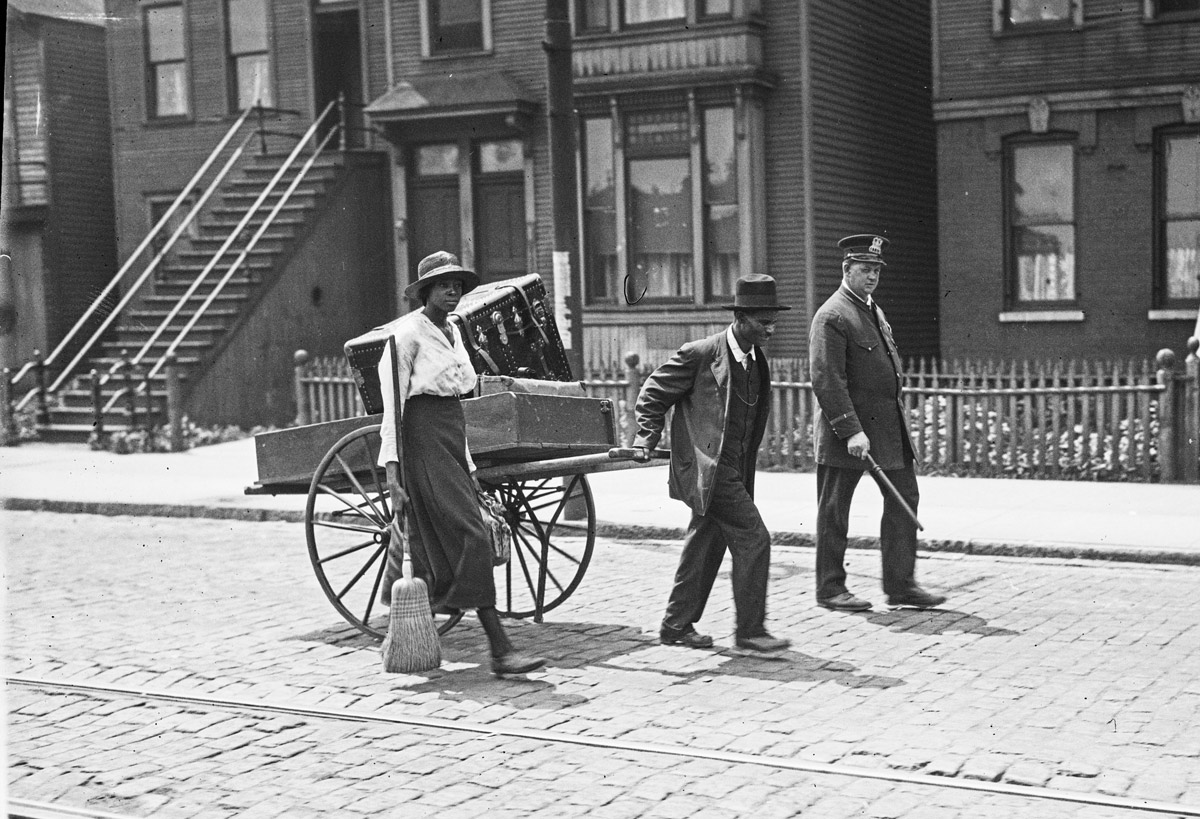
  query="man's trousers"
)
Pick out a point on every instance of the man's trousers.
point(897, 531)
point(732, 521)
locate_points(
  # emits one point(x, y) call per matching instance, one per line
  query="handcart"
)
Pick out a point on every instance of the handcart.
point(535, 439)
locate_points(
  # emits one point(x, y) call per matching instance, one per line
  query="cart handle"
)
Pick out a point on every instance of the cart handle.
point(638, 453)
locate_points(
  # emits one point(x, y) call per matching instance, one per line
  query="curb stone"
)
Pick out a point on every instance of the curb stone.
point(625, 531)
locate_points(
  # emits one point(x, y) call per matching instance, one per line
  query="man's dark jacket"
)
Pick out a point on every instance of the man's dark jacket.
point(696, 382)
point(856, 374)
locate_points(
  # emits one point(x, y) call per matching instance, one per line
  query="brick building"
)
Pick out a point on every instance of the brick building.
point(1068, 176)
point(56, 220)
point(713, 138)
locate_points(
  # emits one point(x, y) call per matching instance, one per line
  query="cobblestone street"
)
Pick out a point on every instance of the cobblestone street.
point(1052, 676)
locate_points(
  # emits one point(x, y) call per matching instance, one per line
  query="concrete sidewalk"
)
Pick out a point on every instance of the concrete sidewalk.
point(1140, 522)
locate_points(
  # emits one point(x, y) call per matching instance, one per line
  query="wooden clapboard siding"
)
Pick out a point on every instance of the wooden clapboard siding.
point(784, 178)
point(81, 249)
point(873, 154)
point(1114, 48)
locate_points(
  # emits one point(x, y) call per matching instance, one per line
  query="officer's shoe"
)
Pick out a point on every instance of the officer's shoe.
point(762, 645)
point(915, 598)
point(843, 602)
point(514, 663)
point(687, 637)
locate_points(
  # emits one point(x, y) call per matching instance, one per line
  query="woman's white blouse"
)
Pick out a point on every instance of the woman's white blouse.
point(429, 365)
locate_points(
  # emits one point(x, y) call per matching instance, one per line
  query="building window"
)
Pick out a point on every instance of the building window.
point(249, 54)
point(456, 25)
point(600, 210)
point(715, 8)
point(159, 204)
point(722, 239)
point(592, 15)
point(642, 12)
point(1041, 219)
point(660, 202)
point(673, 203)
point(166, 61)
point(1163, 8)
point(1179, 217)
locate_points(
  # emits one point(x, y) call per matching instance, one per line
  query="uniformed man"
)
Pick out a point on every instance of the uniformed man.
point(857, 376)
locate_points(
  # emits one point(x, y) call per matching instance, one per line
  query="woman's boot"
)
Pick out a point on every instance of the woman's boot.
point(505, 660)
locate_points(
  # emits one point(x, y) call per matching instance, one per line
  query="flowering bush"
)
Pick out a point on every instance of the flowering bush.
point(157, 439)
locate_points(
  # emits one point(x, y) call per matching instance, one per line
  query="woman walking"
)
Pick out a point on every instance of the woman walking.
point(451, 548)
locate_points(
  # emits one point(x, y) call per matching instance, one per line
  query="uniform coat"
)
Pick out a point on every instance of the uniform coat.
point(856, 376)
point(696, 382)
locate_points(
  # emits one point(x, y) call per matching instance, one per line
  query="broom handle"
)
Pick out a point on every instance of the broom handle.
point(397, 525)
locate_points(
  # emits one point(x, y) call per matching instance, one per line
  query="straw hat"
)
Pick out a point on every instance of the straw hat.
point(441, 265)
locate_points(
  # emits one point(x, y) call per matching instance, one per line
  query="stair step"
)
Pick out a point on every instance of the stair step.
point(195, 299)
point(293, 207)
point(175, 285)
point(226, 221)
point(190, 271)
point(155, 317)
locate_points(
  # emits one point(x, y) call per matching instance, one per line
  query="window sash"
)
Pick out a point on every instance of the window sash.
point(644, 12)
point(455, 25)
point(1018, 13)
point(170, 95)
point(660, 225)
point(1178, 260)
point(247, 21)
point(252, 78)
point(1041, 219)
point(722, 216)
point(164, 34)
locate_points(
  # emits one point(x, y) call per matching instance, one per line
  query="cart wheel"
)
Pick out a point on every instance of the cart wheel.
point(554, 529)
point(347, 522)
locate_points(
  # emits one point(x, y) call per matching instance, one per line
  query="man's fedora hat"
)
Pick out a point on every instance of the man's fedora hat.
point(755, 292)
point(441, 265)
point(864, 247)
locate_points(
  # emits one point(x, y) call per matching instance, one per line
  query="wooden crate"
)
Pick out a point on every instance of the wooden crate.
point(501, 428)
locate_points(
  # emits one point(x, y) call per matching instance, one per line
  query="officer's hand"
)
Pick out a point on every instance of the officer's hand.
point(399, 498)
point(641, 453)
point(859, 445)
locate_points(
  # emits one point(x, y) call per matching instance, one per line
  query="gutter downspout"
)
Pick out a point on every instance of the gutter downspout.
point(806, 168)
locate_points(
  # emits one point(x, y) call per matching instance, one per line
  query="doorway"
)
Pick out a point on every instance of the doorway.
point(337, 68)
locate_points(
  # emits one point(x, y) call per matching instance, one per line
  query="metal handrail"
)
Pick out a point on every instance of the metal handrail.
point(97, 304)
point(154, 263)
point(208, 268)
point(287, 194)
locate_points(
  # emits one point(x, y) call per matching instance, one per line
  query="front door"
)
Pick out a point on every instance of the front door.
point(500, 209)
point(338, 68)
point(433, 207)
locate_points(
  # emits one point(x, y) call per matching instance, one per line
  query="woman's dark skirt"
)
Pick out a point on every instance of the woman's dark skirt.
point(451, 549)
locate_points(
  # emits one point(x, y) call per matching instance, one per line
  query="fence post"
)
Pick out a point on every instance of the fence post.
point(1167, 417)
point(39, 369)
point(130, 393)
point(1191, 413)
point(7, 436)
point(633, 385)
point(343, 121)
point(174, 405)
point(299, 368)
point(97, 406)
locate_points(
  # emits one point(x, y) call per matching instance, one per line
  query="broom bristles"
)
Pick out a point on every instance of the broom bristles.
point(412, 640)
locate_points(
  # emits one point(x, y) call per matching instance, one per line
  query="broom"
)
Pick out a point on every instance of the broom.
point(412, 640)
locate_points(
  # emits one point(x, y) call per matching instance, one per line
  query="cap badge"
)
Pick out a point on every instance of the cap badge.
point(876, 245)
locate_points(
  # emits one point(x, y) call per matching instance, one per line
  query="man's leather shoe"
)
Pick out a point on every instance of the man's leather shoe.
point(514, 663)
point(844, 602)
point(916, 598)
point(763, 644)
point(688, 637)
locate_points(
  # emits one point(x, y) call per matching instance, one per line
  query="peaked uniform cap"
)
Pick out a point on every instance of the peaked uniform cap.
point(864, 247)
point(441, 265)
point(755, 291)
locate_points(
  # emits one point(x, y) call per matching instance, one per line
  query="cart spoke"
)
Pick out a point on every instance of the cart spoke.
point(536, 554)
point(380, 491)
point(562, 552)
point(358, 575)
point(333, 493)
point(349, 550)
point(345, 526)
point(358, 486)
